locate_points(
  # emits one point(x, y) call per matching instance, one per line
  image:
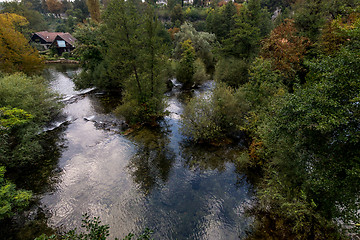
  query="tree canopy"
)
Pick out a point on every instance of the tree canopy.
point(15, 52)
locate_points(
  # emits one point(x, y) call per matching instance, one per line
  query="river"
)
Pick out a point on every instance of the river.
point(150, 178)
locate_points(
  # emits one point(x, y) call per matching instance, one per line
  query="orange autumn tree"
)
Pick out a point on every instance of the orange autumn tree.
point(54, 6)
point(286, 50)
point(15, 52)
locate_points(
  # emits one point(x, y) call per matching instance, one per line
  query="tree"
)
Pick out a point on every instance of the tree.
point(94, 9)
point(251, 25)
point(92, 52)
point(177, 16)
point(221, 21)
point(213, 118)
point(82, 7)
point(232, 71)
point(35, 19)
point(186, 68)
point(310, 17)
point(11, 200)
point(286, 50)
point(136, 57)
point(54, 6)
point(312, 145)
point(21, 145)
point(15, 52)
point(203, 43)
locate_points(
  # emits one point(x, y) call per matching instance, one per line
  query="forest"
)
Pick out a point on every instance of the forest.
point(287, 82)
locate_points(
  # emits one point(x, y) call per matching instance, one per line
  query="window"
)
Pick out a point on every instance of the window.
point(60, 43)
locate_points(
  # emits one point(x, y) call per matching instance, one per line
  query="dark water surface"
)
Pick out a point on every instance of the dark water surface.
point(151, 178)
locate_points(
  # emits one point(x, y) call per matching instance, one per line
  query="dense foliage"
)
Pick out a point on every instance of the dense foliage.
point(298, 101)
point(290, 82)
point(11, 200)
point(28, 101)
point(15, 52)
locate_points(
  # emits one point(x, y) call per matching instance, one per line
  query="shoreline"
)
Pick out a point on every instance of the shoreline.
point(63, 61)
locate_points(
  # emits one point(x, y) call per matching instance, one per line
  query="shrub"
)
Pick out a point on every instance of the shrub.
point(22, 96)
point(232, 71)
point(11, 200)
point(66, 55)
point(200, 75)
point(212, 118)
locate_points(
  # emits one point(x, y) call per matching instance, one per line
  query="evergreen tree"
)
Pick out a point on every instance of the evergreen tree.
point(251, 25)
point(222, 20)
point(136, 58)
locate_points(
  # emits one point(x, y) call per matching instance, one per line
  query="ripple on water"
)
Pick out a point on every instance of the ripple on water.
point(150, 180)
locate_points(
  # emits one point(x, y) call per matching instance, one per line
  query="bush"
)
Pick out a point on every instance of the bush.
point(22, 96)
point(66, 55)
point(30, 94)
point(200, 75)
point(11, 200)
point(141, 112)
point(232, 71)
point(212, 118)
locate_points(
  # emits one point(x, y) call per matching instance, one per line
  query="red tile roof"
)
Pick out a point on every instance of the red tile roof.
point(50, 36)
point(68, 38)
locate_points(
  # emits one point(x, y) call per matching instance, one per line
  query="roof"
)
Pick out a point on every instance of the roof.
point(68, 38)
point(50, 36)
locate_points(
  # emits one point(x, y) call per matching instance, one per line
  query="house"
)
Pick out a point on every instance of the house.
point(62, 42)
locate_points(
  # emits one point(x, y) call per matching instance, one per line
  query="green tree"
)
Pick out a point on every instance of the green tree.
point(136, 57)
point(177, 16)
point(36, 20)
point(91, 50)
point(11, 199)
point(203, 43)
point(186, 68)
point(310, 16)
point(312, 143)
point(232, 71)
point(251, 25)
point(21, 145)
point(221, 21)
point(82, 7)
point(214, 118)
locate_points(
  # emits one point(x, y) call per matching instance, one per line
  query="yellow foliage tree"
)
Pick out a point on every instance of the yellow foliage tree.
point(15, 52)
point(94, 9)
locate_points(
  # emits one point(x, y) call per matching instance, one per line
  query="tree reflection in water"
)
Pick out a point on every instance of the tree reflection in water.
point(151, 166)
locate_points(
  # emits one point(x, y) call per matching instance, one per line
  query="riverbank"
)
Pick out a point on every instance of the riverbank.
point(63, 61)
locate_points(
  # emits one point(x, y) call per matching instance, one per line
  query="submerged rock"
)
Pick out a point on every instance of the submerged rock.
point(107, 122)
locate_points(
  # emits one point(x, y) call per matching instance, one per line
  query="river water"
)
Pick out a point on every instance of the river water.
point(150, 178)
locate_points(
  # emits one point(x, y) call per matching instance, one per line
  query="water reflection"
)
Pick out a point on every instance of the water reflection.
point(209, 157)
point(152, 178)
point(151, 165)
